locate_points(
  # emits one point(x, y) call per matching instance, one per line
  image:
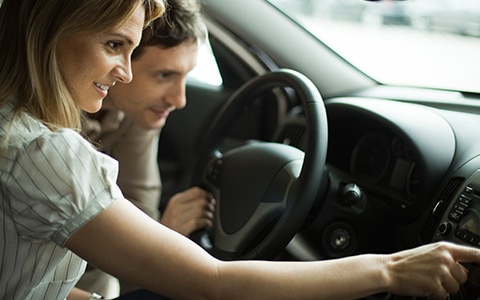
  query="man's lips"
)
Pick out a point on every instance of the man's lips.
point(160, 113)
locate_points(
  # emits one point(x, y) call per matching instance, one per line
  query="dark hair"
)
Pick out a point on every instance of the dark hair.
point(181, 23)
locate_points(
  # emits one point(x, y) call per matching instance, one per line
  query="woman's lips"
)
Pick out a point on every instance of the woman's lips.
point(102, 89)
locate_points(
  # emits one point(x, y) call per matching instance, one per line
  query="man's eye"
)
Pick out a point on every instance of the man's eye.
point(165, 75)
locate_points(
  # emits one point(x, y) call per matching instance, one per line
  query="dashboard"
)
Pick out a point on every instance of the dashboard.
point(399, 174)
point(387, 162)
point(392, 149)
point(383, 159)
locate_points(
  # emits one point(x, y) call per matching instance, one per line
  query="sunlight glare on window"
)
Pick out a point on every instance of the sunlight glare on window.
point(206, 70)
point(422, 43)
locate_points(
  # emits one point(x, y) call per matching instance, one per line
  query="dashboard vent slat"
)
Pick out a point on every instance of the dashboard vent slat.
point(442, 203)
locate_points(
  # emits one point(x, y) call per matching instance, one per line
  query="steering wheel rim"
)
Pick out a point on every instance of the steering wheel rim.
point(304, 173)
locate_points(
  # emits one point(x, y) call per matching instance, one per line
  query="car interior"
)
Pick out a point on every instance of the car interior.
point(320, 142)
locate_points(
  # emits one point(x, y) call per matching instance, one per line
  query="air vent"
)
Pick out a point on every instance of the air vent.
point(439, 209)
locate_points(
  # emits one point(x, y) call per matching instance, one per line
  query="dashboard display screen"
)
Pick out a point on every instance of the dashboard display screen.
point(471, 221)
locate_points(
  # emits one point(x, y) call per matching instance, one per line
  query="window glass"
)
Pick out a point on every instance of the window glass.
point(426, 43)
point(206, 71)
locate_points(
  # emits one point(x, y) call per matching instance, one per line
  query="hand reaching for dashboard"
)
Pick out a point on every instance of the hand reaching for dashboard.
point(189, 211)
point(432, 270)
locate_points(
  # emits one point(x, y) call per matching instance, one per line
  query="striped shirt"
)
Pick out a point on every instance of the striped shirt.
point(51, 183)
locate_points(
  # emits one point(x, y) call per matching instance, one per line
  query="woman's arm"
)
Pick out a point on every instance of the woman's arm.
point(125, 242)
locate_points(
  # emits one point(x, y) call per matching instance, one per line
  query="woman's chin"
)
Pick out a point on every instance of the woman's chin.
point(93, 107)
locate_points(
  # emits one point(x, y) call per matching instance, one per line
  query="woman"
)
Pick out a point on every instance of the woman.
point(59, 199)
point(58, 57)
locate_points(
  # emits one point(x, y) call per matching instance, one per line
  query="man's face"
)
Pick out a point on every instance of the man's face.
point(158, 85)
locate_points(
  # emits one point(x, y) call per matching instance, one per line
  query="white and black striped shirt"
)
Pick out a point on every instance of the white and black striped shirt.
point(51, 183)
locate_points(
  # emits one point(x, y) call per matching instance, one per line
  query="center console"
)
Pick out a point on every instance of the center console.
point(460, 223)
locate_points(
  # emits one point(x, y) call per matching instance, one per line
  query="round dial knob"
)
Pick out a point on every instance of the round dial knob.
point(351, 194)
point(445, 228)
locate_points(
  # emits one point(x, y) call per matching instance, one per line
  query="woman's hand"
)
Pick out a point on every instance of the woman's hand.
point(433, 270)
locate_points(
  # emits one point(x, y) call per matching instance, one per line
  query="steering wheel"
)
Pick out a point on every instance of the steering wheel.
point(264, 191)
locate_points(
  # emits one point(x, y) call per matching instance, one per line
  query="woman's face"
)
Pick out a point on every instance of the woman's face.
point(92, 63)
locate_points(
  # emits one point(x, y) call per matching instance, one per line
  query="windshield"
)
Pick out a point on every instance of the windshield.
point(422, 43)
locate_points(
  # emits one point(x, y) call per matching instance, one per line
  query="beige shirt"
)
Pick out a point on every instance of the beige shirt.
point(136, 150)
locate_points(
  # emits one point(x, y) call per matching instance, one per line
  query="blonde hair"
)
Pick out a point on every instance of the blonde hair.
point(30, 32)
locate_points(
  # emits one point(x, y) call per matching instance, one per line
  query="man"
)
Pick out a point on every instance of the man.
point(132, 115)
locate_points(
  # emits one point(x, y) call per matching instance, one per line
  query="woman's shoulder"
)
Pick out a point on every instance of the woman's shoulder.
point(22, 130)
point(28, 140)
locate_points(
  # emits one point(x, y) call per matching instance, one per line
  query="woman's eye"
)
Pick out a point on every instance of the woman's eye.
point(114, 44)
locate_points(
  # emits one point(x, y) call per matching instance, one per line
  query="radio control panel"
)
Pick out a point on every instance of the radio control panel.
point(461, 221)
point(460, 224)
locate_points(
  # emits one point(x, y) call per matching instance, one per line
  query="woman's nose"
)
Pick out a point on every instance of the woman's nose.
point(123, 72)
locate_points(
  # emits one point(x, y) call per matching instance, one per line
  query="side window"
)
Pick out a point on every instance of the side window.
point(206, 71)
